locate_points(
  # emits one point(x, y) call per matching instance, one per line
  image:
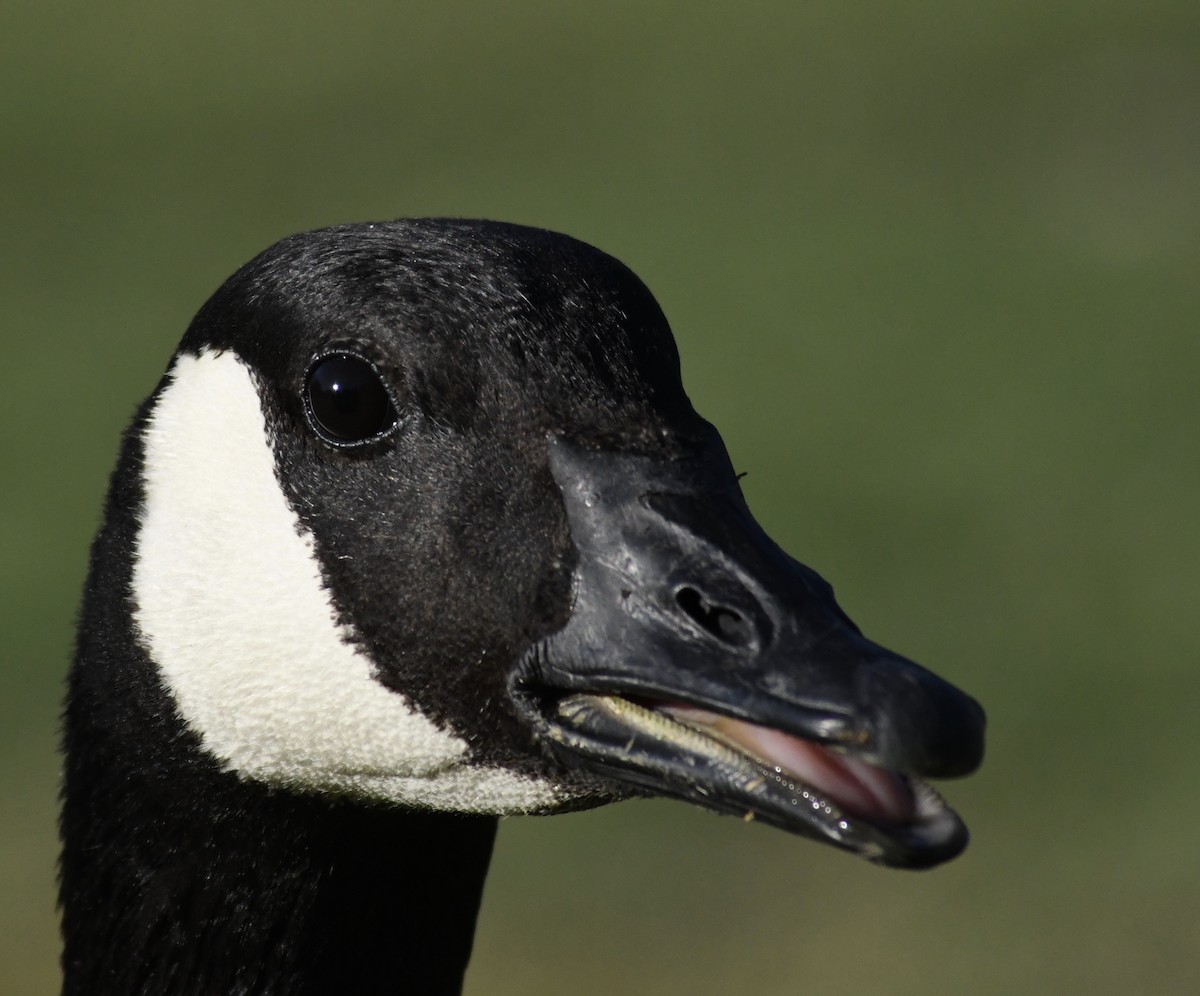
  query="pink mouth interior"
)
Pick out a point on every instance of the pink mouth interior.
point(859, 789)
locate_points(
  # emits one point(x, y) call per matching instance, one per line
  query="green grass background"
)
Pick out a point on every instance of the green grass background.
point(933, 269)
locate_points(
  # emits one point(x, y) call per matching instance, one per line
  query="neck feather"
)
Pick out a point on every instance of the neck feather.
point(179, 878)
point(192, 881)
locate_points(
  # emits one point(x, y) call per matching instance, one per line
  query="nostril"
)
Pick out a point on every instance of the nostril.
point(726, 624)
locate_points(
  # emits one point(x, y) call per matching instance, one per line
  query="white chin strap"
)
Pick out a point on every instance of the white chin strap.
point(231, 605)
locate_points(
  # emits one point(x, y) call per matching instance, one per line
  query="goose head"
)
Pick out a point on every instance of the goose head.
point(427, 519)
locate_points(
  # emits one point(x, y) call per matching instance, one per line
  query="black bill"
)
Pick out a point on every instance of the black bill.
point(701, 662)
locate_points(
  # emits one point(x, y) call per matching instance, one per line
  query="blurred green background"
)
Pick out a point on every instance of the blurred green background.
point(934, 269)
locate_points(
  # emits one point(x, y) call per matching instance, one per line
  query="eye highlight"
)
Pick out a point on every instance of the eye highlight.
point(347, 401)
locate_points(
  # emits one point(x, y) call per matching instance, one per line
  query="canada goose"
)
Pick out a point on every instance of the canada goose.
point(419, 529)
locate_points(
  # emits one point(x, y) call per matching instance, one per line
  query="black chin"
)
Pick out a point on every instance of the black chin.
point(679, 597)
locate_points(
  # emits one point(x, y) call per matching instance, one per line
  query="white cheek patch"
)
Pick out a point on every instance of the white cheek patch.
point(231, 605)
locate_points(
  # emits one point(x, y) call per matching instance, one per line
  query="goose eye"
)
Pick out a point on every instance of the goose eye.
point(347, 401)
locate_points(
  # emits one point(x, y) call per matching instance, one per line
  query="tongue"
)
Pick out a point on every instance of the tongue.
point(858, 788)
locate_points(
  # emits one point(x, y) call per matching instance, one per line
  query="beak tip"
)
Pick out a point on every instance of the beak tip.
point(923, 725)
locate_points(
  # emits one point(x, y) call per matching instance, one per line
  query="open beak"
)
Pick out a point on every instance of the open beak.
point(701, 662)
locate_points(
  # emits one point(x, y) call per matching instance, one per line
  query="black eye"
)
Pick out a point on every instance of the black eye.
point(347, 401)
